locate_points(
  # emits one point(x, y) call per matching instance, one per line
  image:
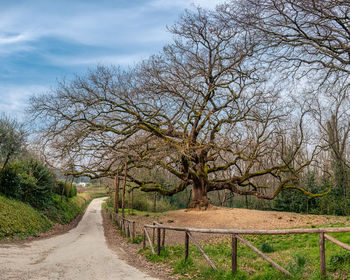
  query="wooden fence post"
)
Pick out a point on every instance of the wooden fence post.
point(163, 239)
point(153, 233)
point(144, 239)
point(158, 241)
point(133, 230)
point(234, 254)
point(128, 230)
point(322, 255)
point(186, 245)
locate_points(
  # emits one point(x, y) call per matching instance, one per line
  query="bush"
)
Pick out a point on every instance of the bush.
point(10, 182)
point(267, 248)
point(68, 189)
point(28, 180)
point(62, 211)
point(58, 188)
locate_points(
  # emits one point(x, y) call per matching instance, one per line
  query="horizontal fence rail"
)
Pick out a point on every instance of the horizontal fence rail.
point(235, 233)
point(255, 232)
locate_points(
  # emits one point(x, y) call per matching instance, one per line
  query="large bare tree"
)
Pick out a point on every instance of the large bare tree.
point(202, 111)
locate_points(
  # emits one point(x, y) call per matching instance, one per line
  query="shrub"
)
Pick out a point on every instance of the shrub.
point(70, 190)
point(267, 248)
point(10, 182)
point(58, 188)
point(28, 180)
point(67, 189)
point(62, 211)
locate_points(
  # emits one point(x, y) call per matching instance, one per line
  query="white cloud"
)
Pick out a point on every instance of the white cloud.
point(14, 99)
point(208, 4)
point(133, 30)
point(94, 24)
point(97, 25)
point(12, 39)
point(122, 60)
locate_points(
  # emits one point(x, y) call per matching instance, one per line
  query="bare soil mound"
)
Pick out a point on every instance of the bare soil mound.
point(247, 219)
point(237, 218)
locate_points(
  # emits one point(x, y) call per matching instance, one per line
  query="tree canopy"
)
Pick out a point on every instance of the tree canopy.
point(205, 111)
point(12, 139)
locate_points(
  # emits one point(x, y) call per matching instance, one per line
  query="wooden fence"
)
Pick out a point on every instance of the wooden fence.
point(159, 231)
point(125, 225)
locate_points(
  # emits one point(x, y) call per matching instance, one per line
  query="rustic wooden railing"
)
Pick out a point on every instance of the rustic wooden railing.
point(125, 225)
point(236, 235)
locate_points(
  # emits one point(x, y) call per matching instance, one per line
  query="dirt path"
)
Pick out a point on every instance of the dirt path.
point(81, 253)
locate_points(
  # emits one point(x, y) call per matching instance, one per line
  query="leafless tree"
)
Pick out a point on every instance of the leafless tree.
point(201, 107)
point(301, 33)
point(330, 109)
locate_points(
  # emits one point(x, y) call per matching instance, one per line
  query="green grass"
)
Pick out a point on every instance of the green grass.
point(130, 213)
point(63, 211)
point(19, 220)
point(299, 254)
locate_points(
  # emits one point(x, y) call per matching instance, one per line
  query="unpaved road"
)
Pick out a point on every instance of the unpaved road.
point(80, 254)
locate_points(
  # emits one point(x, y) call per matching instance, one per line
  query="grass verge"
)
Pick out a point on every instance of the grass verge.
point(20, 219)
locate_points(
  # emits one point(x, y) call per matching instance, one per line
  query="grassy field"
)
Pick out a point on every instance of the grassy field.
point(299, 254)
point(19, 220)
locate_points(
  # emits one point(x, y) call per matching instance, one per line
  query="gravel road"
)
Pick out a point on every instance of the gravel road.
point(79, 254)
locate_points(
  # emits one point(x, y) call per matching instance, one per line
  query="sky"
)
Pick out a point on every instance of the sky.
point(42, 41)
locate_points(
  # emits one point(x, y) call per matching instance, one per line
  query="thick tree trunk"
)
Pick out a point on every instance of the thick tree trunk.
point(132, 201)
point(154, 202)
point(200, 199)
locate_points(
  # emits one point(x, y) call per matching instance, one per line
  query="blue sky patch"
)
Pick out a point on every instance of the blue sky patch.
point(44, 41)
